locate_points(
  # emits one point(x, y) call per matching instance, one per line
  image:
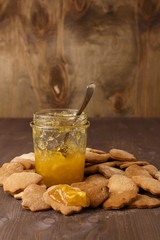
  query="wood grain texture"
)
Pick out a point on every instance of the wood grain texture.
point(50, 51)
point(138, 136)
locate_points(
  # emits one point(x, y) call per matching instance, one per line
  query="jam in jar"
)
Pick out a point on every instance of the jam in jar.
point(59, 138)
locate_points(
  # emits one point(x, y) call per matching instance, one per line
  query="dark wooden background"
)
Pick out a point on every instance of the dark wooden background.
point(51, 49)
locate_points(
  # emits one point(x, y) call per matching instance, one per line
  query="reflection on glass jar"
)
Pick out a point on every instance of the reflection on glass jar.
point(59, 138)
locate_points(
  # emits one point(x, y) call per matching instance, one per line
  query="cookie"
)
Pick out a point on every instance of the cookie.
point(91, 169)
point(96, 156)
point(29, 156)
point(96, 189)
point(18, 195)
point(109, 171)
point(122, 191)
point(147, 183)
point(127, 164)
point(27, 163)
point(27, 160)
point(94, 168)
point(151, 169)
point(157, 175)
point(57, 201)
point(19, 181)
point(136, 170)
point(32, 198)
point(87, 164)
point(144, 201)
point(9, 168)
point(121, 155)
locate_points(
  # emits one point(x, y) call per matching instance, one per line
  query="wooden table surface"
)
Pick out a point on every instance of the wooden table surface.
point(138, 136)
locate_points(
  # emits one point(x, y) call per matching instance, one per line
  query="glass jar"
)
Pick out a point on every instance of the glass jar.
point(59, 139)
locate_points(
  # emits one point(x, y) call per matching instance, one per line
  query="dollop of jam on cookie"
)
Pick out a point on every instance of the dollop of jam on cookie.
point(69, 196)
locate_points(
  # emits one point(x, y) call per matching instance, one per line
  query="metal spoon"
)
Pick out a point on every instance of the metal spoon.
point(87, 97)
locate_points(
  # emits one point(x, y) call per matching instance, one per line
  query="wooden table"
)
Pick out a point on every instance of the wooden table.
point(139, 136)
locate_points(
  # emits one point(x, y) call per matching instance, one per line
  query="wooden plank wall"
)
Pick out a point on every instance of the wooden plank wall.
point(51, 49)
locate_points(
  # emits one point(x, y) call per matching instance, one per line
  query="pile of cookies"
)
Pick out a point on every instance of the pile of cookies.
point(113, 180)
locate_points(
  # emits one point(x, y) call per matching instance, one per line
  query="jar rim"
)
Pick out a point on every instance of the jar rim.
point(59, 117)
point(53, 112)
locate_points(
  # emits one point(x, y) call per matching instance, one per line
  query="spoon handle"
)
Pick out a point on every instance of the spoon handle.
point(87, 97)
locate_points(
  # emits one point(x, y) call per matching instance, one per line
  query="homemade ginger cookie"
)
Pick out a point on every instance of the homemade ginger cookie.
point(19, 181)
point(122, 191)
point(151, 169)
point(18, 195)
point(127, 164)
point(96, 189)
point(96, 156)
point(59, 199)
point(32, 198)
point(91, 169)
point(144, 201)
point(136, 170)
point(27, 163)
point(107, 171)
point(29, 156)
point(94, 168)
point(27, 160)
point(147, 183)
point(157, 175)
point(9, 168)
point(121, 155)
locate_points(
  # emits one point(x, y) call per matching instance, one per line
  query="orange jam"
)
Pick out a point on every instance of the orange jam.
point(69, 196)
point(58, 169)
